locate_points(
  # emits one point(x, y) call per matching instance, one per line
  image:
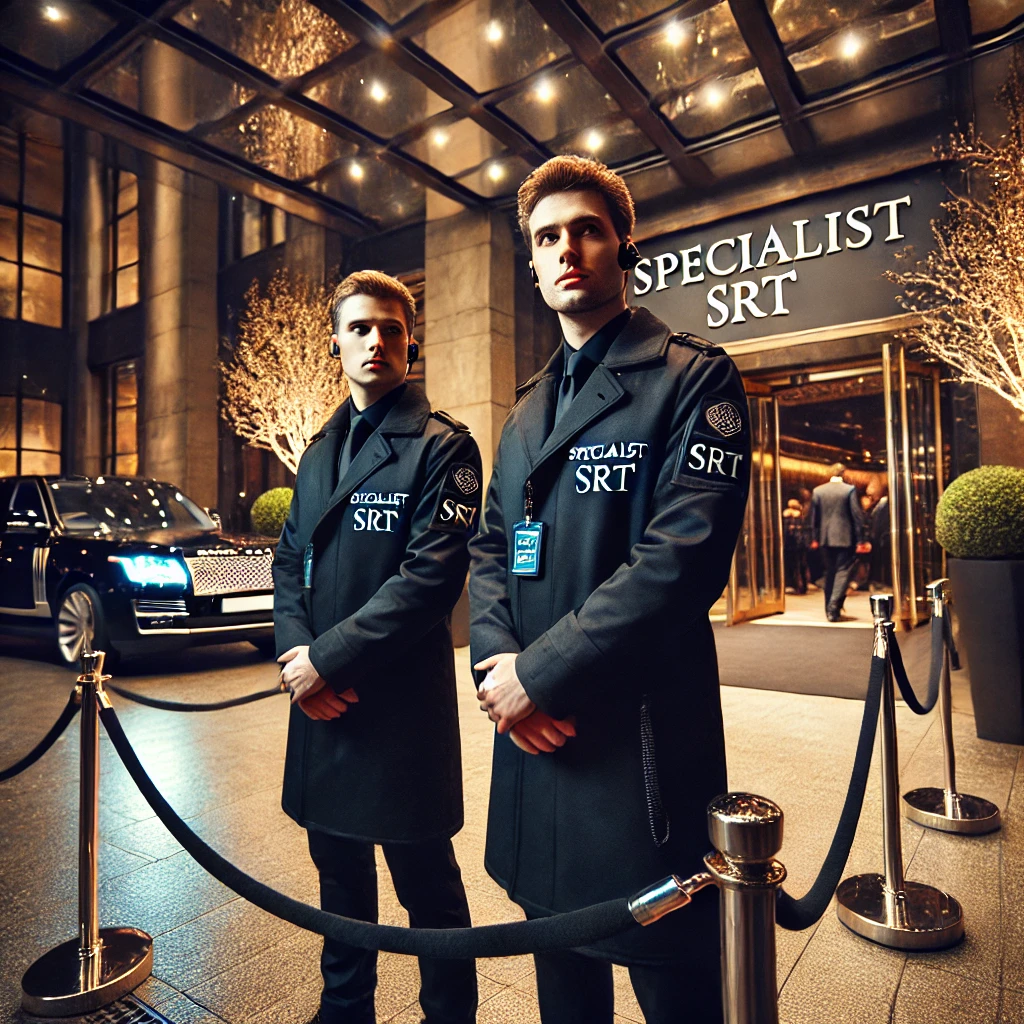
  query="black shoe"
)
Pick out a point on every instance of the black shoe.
point(834, 617)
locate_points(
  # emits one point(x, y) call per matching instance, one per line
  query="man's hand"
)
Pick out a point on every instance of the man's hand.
point(501, 694)
point(298, 673)
point(325, 704)
point(540, 733)
point(864, 549)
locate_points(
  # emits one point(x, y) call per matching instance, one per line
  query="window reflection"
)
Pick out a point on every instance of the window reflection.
point(121, 402)
point(30, 435)
point(52, 41)
point(452, 148)
point(122, 275)
point(609, 15)
point(250, 226)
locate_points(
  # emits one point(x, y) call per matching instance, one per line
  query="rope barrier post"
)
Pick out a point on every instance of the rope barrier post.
point(101, 964)
point(888, 909)
point(947, 809)
point(746, 831)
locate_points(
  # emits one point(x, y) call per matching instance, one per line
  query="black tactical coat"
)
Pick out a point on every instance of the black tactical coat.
point(642, 489)
point(388, 555)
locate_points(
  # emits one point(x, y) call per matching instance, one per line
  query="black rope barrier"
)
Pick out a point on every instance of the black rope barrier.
point(561, 931)
point(58, 727)
point(796, 914)
point(173, 705)
point(947, 632)
point(938, 642)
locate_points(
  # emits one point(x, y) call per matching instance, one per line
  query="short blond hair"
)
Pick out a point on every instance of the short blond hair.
point(577, 174)
point(378, 286)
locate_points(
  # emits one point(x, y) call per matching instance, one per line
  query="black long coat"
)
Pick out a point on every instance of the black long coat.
point(641, 488)
point(388, 562)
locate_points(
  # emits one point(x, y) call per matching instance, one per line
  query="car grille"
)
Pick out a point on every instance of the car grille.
point(144, 606)
point(226, 574)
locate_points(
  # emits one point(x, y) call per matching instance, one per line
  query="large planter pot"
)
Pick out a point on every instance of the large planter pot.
point(988, 595)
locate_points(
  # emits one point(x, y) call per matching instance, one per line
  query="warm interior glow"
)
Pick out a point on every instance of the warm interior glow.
point(439, 138)
point(52, 13)
point(494, 33)
point(675, 33)
point(594, 140)
point(544, 91)
point(356, 171)
point(495, 172)
point(378, 92)
point(714, 94)
point(850, 45)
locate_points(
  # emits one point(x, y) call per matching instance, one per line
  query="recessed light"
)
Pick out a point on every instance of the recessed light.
point(594, 140)
point(439, 138)
point(355, 171)
point(714, 94)
point(494, 33)
point(544, 91)
point(850, 44)
point(495, 172)
point(378, 92)
point(675, 33)
point(51, 13)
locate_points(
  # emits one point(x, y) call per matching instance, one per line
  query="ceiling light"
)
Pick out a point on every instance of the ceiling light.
point(850, 44)
point(714, 94)
point(51, 13)
point(494, 33)
point(495, 172)
point(675, 33)
point(378, 92)
point(439, 138)
point(594, 141)
point(356, 171)
point(544, 91)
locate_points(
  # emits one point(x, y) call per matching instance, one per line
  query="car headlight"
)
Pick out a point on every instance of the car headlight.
point(154, 570)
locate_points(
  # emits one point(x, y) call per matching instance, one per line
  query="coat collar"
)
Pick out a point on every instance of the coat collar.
point(408, 415)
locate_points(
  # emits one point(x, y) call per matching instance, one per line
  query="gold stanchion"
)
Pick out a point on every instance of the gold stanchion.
point(888, 909)
point(101, 964)
point(947, 809)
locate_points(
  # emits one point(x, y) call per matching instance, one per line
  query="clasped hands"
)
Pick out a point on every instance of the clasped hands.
point(507, 704)
point(309, 689)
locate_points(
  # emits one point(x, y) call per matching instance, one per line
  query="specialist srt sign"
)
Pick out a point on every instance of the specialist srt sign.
point(817, 262)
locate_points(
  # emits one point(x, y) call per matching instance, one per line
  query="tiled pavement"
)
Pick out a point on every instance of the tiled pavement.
point(219, 959)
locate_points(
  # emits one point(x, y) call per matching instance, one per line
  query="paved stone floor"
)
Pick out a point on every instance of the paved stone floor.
point(219, 959)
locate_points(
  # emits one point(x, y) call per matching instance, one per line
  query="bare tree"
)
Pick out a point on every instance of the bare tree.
point(280, 385)
point(969, 290)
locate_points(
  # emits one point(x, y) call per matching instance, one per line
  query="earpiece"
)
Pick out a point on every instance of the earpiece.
point(629, 256)
point(414, 352)
point(334, 349)
point(533, 275)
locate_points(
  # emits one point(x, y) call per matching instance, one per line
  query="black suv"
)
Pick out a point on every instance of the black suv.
point(133, 564)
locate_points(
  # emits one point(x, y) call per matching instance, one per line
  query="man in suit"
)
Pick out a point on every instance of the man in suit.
point(837, 527)
point(617, 495)
point(371, 562)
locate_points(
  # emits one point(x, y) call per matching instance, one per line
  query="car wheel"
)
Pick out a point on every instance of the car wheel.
point(80, 618)
point(266, 646)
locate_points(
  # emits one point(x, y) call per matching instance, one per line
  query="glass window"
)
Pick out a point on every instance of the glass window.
point(122, 284)
point(491, 43)
point(44, 176)
point(455, 147)
point(394, 10)
point(285, 39)
point(499, 177)
point(609, 15)
point(52, 34)
point(378, 96)
point(251, 225)
point(41, 242)
point(700, 72)
point(42, 294)
point(120, 431)
point(375, 188)
point(8, 290)
point(10, 165)
point(8, 234)
point(30, 435)
point(992, 15)
point(27, 502)
point(115, 506)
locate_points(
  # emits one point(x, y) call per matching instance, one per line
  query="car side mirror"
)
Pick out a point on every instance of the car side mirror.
point(215, 516)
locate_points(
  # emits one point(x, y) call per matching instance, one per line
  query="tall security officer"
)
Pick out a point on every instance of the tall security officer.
point(617, 495)
point(838, 528)
point(370, 564)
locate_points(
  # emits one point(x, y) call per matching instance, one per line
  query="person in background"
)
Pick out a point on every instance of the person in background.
point(795, 541)
point(838, 532)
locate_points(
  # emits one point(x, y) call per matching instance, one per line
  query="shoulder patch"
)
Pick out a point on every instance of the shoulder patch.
point(458, 504)
point(716, 451)
point(699, 344)
point(451, 421)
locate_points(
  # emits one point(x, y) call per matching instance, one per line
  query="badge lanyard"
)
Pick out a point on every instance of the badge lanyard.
point(527, 538)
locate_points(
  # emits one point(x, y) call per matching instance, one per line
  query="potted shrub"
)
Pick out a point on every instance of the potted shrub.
point(270, 510)
point(980, 523)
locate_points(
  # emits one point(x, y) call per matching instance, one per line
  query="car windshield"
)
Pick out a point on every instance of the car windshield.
point(111, 505)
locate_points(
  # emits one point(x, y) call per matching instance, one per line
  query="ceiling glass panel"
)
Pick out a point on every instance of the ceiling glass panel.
point(284, 39)
point(499, 177)
point(374, 188)
point(753, 152)
point(53, 32)
point(490, 43)
point(558, 104)
point(612, 142)
point(654, 182)
point(831, 46)
point(992, 15)
point(394, 10)
point(282, 142)
point(609, 15)
point(700, 72)
point(163, 83)
point(378, 96)
point(455, 147)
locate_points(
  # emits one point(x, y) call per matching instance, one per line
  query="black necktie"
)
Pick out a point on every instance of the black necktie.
point(360, 430)
point(569, 389)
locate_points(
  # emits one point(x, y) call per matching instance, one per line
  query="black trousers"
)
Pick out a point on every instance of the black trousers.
point(839, 563)
point(577, 989)
point(429, 885)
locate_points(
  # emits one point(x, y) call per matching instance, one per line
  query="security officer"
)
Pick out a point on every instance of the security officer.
point(617, 495)
point(370, 564)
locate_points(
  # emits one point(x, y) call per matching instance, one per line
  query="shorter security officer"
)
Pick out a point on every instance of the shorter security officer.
point(370, 564)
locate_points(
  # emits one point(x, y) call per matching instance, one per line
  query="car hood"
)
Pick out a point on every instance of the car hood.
point(192, 543)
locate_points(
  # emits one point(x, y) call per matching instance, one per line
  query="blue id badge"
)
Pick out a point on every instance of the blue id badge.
point(307, 566)
point(526, 545)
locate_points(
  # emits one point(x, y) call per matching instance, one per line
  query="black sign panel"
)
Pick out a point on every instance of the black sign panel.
point(813, 263)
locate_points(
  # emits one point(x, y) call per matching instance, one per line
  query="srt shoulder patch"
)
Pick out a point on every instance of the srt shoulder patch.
point(714, 454)
point(458, 504)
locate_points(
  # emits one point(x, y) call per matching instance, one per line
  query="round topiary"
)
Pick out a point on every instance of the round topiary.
point(981, 514)
point(270, 510)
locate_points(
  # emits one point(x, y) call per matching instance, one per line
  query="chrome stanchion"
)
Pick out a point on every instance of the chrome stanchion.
point(947, 809)
point(887, 909)
point(101, 964)
point(746, 831)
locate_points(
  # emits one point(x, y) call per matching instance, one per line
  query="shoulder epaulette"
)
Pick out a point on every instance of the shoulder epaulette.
point(700, 344)
point(527, 386)
point(452, 422)
point(316, 437)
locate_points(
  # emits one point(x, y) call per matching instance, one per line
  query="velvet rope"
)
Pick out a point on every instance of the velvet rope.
point(58, 727)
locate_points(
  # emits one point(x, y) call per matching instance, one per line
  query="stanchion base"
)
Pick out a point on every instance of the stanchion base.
point(972, 816)
point(61, 984)
point(920, 918)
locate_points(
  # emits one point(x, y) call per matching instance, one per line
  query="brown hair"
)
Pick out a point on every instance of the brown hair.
point(577, 174)
point(377, 286)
